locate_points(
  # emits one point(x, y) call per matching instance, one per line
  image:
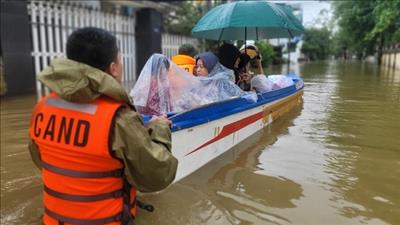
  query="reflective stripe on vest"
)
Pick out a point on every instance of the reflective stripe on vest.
point(101, 221)
point(83, 183)
point(74, 173)
point(83, 198)
point(61, 103)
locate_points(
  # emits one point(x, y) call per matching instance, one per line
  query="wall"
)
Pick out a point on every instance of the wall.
point(391, 58)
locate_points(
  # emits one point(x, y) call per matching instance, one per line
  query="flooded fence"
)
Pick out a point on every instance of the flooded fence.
point(170, 43)
point(391, 57)
point(52, 22)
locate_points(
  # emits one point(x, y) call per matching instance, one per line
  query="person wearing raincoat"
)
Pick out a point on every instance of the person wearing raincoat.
point(91, 145)
point(164, 88)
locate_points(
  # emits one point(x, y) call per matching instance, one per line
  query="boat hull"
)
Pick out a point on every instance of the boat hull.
point(197, 145)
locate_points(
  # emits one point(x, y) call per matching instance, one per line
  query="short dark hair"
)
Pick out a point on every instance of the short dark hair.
point(93, 46)
point(187, 49)
point(228, 54)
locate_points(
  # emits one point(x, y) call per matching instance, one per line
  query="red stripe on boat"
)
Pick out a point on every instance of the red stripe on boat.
point(231, 128)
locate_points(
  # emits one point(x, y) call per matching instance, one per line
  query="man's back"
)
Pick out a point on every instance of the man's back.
point(107, 141)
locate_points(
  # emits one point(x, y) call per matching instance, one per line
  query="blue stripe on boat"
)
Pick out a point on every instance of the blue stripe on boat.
point(217, 110)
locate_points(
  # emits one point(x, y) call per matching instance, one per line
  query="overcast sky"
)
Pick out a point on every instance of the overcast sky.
point(311, 10)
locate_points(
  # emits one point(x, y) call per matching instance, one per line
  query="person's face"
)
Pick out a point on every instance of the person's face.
point(244, 75)
point(116, 67)
point(201, 70)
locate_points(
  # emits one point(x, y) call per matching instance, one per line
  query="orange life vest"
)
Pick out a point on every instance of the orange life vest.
point(185, 62)
point(83, 182)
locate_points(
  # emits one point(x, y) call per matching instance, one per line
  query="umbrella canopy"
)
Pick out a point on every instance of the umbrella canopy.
point(248, 20)
point(288, 10)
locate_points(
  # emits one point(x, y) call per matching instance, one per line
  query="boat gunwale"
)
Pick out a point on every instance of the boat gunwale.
point(225, 108)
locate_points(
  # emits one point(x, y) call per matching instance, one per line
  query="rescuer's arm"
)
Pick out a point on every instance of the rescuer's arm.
point(35, 154)
point(146, 152)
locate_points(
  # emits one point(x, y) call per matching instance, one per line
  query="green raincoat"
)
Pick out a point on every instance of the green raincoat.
point(145, 151)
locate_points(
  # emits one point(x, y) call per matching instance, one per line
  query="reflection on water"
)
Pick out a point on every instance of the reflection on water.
point(362, 131)
point(231, 190)
point(333, 160)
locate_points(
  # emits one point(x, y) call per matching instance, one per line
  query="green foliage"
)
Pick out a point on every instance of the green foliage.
point(186, 14)
point(267, 52)
point(341, 45)
point(316, 43)
point(183, 19)
point(386, 16)
point(365, 26)
point(355, 21)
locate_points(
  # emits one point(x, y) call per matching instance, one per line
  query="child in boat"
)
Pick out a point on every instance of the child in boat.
point(153, 98)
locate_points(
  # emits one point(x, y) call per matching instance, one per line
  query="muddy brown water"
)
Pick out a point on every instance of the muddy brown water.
point(335, 159)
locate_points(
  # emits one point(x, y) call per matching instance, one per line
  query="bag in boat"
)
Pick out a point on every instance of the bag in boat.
point(280, 81)
point(261, 84)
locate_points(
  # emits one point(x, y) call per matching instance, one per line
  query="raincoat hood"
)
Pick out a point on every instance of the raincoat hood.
point(209, 60)
point(80, 83)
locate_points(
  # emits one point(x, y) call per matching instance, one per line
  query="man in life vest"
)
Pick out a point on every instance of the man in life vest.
point(93, 149)
point(185, 58)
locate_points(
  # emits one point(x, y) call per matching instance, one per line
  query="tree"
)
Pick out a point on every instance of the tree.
point(354, 21)
point(368, 25)
point(184, 18)
point(186, 14)
point(266, 51)
point(316, 43)
point(341, 45)
point(386, 16)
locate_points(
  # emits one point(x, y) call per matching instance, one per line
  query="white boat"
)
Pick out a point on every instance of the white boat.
point(204, 133)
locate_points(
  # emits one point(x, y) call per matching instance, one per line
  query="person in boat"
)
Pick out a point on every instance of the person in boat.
point(205, 63)
point(185, 58)
point(218, 81)
point(90, 143)
point(228, 55)
point(255, 56)
point(244, 82)
point(208, 65)
point(158, 97)
point(219, 88)
point(243, 72)
point(163, 88)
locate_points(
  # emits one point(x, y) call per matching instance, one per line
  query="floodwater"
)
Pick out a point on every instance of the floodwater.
point(335, 159)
